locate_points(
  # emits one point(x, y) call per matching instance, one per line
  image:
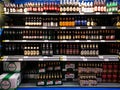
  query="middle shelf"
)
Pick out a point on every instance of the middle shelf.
point(60, 58)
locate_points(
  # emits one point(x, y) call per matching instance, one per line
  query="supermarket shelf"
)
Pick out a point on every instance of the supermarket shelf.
point(40, 41)
point(92, 58)
point(91, 27)
point(30, 58)
point(45, 13)
point(57, 41)
point(91, 13)
point(30, 13)
point(71, 84)
point(60, 58)
point(29, 27)
point(89, 41)
point(52, 27)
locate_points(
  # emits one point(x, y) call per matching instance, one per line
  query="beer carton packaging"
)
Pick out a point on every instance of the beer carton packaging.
point(9, 81)
point(12, 66)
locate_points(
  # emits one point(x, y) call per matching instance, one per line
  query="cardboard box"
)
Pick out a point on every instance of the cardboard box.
point(12, 66)
point(10, 81)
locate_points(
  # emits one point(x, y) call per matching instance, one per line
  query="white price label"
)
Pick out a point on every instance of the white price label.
point(102, 40)
point(101, 57)
point(44, 13)
point(45, 40)
point(20, 59)
point(40, 59)
point(106, 59)
point(63, 14)
point(89, 27)
point(6, 12)
point(63, 27)
point(45, 57)
point(97, 13)
point(76, 40)
point(25, 57)
point(64, 41)
point(103, 27)
point(44, 27)
point(6, 40)
point(5, 57)
point(88, 40)
point(23, 40)
point(64, 58)
point(110, 13)
point(27, 27)
point(82, 13)
point(6, 26)
point(27, 13)
point(77, 27)
point(85, 59)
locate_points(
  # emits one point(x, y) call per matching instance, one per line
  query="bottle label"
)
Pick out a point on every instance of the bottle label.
point(67, 66)
point(49, 82)
point(41, 70)
point(41, 83)
point(57, 82)
point(70, 75)
point(58, 68)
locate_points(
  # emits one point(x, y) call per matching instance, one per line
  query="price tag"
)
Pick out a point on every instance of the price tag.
point(88, 40)
point(20, 59)
point(25, 57)
point(27, 13)
point(40, 59)
point(97, 13)
point(110, 13)
point(101, 57)
point(63, 58)
point(5, 57)
point(45, 40)
point(106, 59)
point(63, 13)
point(27, 27)
point(6, 27)
point(64, 41)
point(118, 41)
point(63, 27)
point(89, 27)
point(77, 27)
point(103, 27)
point(84, 59)
point(44, 13)
point(76, 40)
point(44, 27)
point(6, 12)
point(23, 40)
point(102, 40)
point(5, 40)
point(82, 13)
point(45, 57)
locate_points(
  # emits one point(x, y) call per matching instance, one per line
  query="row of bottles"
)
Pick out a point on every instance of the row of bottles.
point(66, 21)
point(59, 35)
point(52, 6)
point(110, 72)
point(86, 34)
point(89, 50)
point(87, 79)
point(31, 50)
point(63, 6)
point(48, 49)
point(40, 21)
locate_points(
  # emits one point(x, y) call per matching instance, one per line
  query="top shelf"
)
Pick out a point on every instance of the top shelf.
point(45, 13)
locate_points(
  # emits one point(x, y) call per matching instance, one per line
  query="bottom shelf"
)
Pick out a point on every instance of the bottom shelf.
point(70, 84)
